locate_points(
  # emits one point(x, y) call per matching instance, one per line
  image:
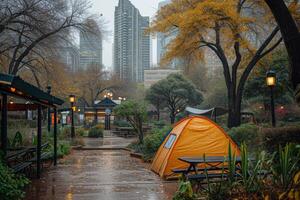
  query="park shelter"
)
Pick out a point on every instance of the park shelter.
point(96, 114)
point(36, 100)
point(191, 137)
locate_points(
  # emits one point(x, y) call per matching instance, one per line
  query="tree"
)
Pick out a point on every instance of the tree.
point(256, 88)
point(32, 29)
point(92, 82)
point(234, 30)
point(135, 113)
point(176, 92)
point(155, 100)
point(291, 37)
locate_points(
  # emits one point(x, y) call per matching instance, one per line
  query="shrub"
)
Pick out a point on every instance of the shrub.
point(63, 149)
point(80, 132)
point(274, 137)
point(248, 133)
point(65, 132)
point(153, 141)
point(11, 185)
point(95, 132)
point(185, 191)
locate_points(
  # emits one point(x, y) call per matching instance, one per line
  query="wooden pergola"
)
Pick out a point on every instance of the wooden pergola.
point(14, 86)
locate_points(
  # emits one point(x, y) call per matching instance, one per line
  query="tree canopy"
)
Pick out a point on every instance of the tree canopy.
point(239, 33)
point(135, 113)
point(176, 92)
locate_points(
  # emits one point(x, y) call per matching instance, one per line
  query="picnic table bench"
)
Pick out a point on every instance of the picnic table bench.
point(20, 160)
point(214, 168)
point(124, 131)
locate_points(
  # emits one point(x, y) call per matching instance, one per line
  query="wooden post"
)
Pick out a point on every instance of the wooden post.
point(39, 142)
point(55, 137)
point(4, 124)
point(49, 111)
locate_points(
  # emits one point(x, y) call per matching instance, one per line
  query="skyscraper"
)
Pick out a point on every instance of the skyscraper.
point(163, 39)
point(131, 44)
point(90, 49)
point(68, 54)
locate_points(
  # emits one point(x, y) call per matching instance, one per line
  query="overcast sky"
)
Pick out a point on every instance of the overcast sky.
point(107, 8)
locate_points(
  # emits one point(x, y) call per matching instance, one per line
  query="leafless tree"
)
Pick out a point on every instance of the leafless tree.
point(31, 29)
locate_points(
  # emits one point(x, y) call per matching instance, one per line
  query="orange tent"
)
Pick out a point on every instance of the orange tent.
point(192, 136)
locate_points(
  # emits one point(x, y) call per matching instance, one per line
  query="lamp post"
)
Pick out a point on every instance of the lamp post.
point(72, 101)
point(49, 110)
point(271, 82)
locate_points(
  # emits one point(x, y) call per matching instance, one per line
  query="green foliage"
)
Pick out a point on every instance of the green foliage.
point(95, 132)
point(80, 132)
point(135, 113)
point(275, 137)
point(65, 132)
point(251, 178)
point(18, 140)
point(287, 165)
point(176, 92)
point(153, 141)
point(64, 148)
point(248, 133)
point(256, 86)
point(185, 191)
point(11, 185)
point(219, 191)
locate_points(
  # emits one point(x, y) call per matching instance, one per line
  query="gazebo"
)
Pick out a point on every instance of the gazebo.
point(36, 100)
point(99, 110)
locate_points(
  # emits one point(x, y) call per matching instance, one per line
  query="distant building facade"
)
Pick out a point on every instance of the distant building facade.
point(69, 56)
point(163, 39)
point(131, 54)
point(154, 75)
point(90, 50)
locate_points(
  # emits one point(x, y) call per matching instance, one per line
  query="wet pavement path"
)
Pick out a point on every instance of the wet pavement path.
point(100, 175)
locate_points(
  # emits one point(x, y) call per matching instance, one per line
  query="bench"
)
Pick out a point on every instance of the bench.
point(20, 167)
point(185, 171)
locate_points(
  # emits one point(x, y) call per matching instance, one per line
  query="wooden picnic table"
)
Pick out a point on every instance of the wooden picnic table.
point(213, 162)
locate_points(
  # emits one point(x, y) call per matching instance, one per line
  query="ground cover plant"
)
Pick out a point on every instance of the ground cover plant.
point(11, 185)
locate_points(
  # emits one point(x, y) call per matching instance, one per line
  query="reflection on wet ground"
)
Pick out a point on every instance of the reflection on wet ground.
point(109, 142)
point(100, 175)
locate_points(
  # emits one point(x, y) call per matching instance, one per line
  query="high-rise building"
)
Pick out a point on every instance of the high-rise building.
point(90, 49)
point(163, 39)
point(131, 44)
point(68, 54)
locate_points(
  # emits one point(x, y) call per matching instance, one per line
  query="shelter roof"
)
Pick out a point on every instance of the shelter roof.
point(15, 86)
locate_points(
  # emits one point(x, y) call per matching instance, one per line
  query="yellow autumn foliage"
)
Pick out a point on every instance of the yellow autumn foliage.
point(195, 21)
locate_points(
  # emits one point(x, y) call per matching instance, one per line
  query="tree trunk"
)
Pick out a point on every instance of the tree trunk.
point(172, 117)
point(158, 112)
point(141, 134)
point(291, 37)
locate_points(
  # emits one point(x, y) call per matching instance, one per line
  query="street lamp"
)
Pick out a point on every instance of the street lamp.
point(72, 101)
point(271, 82)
